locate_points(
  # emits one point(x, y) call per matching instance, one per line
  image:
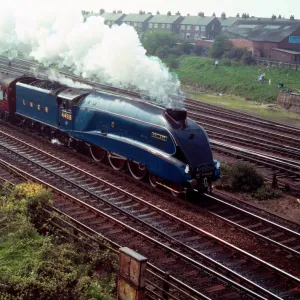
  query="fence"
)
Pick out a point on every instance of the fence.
point(262, 61)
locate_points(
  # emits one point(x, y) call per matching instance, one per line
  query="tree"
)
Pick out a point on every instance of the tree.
point(186, 47)
point(178, 13)
point(201, 14)
point(238, 15)
point(273, 17)
point(292, 17)
point(158, 13)
point(169, 13)
point(119, 11)
point(219, 46)
point(279, 17)
point(114, 12)
point(223, 16)
point(158, 42)
point(102, 11)
point(214, 14)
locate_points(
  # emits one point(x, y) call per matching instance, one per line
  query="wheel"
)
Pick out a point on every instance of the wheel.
point(175, 189)
point(137, 170)
point(116, 162)
point(153, 180)
point(97, 153)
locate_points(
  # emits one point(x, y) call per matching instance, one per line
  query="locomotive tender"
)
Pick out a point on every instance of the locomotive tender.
point(162, 143)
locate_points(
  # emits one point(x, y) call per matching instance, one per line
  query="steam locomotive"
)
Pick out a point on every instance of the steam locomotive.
point(161, 143)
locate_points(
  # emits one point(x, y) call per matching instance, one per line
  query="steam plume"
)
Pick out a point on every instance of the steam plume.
point(55, 36)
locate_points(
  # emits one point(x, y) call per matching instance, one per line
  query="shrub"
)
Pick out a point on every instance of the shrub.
point(40, 267)
point(235, 53)
point(171, 62)
point(198, 50)
point(225, 62)
point(219, 46)
point(265, 193)
point(244, 177)
point(247, 59)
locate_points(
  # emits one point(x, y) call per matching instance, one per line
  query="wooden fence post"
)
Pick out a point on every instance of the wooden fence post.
point(131, 281)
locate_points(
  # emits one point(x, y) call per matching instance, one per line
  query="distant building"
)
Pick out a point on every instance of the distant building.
point(226, 22)
point(165, 23)
point(112, 18)
point(270, 39)
point(199, 27)
point(138, 21)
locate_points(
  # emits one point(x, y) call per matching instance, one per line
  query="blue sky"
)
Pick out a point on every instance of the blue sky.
point(262, 8)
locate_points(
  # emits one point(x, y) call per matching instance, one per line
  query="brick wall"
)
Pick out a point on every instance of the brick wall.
point(204, 43)
point(282, 56)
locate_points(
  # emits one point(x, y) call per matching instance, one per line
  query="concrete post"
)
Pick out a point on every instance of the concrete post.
point(131, 281)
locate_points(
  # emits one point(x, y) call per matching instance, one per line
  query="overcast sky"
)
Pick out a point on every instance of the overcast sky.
point(262, 8)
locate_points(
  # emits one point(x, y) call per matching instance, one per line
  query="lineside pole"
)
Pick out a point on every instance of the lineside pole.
point(131, 281)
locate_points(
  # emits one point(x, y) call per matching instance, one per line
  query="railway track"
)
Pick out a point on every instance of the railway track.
point(73, 227)
point(283, 239)
point(212, 284)
point(163, 230)
point(283, 151)
point(202, 119)
point(289, 167)
point(210, 109)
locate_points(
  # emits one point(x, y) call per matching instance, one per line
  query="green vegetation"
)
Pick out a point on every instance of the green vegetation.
point(236, 73)
point(35, 266)
point(236, 78)
point(219, 46)
point(264, 110)
point(243, 177)
point(265, 193)
point(160, 44)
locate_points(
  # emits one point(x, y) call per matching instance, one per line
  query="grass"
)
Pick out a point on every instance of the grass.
point(236, 79)
point(268, 111)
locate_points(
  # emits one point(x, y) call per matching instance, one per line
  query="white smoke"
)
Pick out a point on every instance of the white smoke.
point(56, 36)
point(55, 76)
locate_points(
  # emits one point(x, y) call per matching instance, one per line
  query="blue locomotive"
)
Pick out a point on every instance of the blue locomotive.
point(163, 144)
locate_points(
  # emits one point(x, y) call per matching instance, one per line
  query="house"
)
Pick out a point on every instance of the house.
point(165, 23)
point(138, 21)
point(112, 18)
point(199, 27)
point(267, 38)
point(228, 21)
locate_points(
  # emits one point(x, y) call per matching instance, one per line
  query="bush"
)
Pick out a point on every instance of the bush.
point(265, 193)
point(198, 50)
point(244, 177)
point(219, 46)
point(247, 59)
point(225, 62)
point(172, 62)
point(235, 53)
point(39, 267)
